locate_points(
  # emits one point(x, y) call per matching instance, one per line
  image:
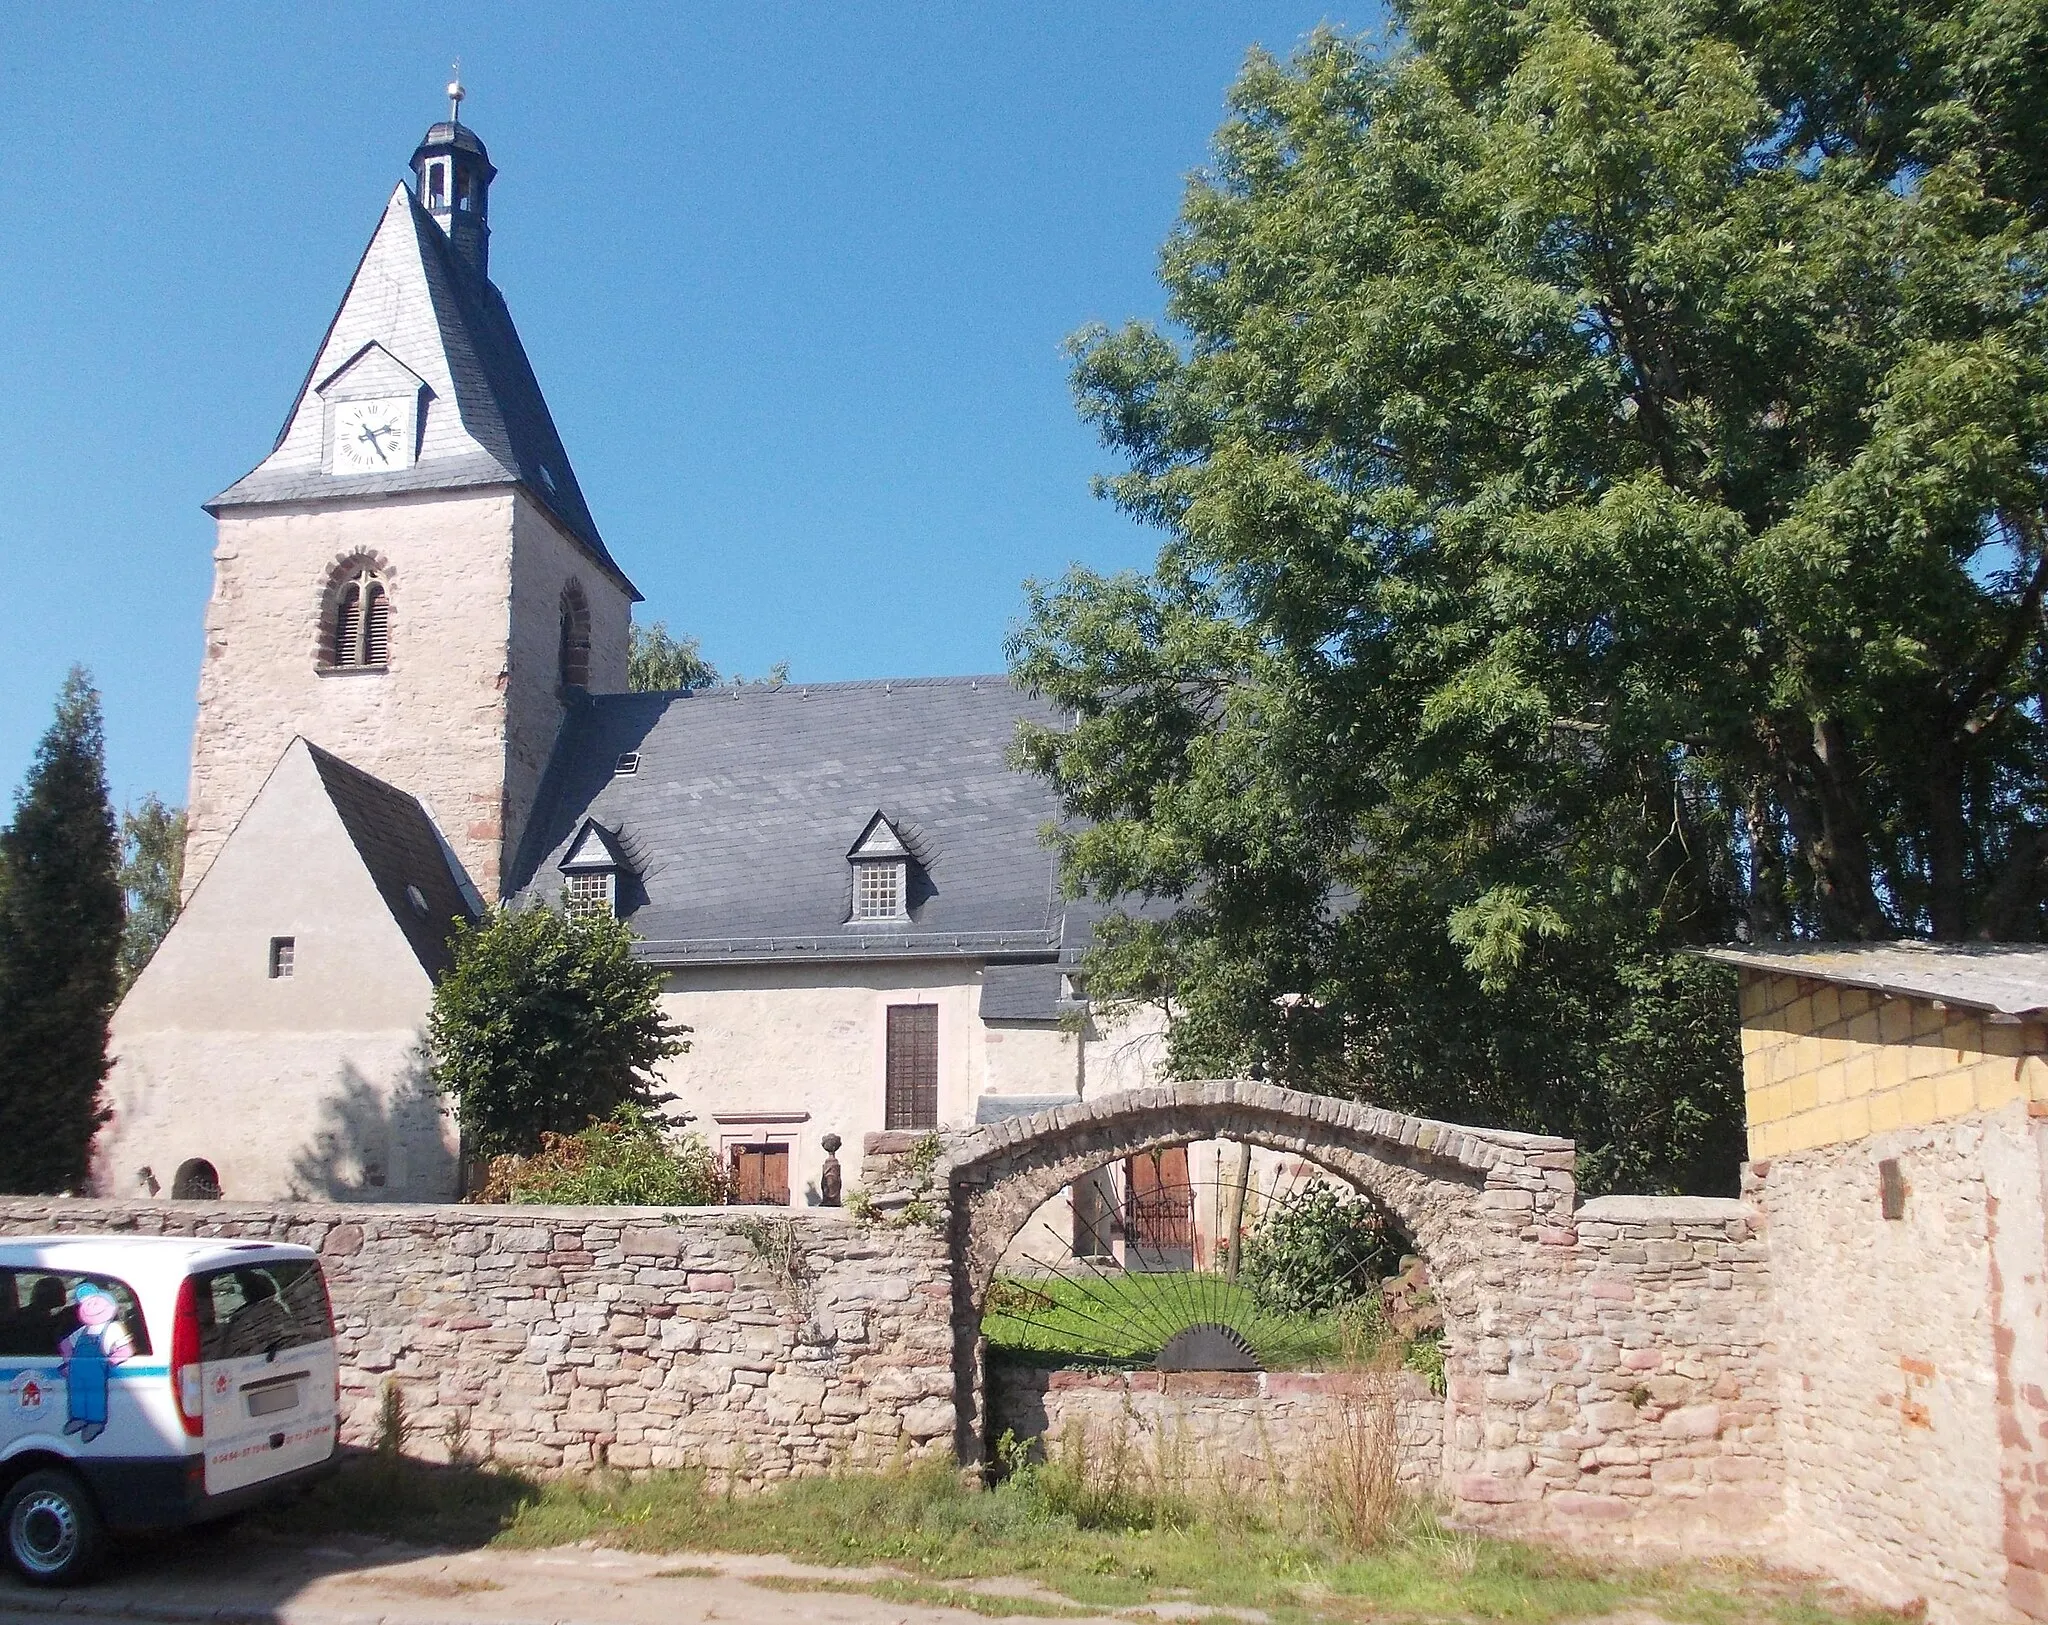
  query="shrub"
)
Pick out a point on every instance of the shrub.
point(545, 1025)
point(1317, 1253)
point(633, 1160)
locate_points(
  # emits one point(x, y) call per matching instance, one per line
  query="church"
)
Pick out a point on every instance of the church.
point(413, 705)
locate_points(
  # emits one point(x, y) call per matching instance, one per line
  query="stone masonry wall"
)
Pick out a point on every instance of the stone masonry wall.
point(1608, 1366)
point(1628, 1389)
point(1914, 1361)
point(1255, 1431)
point(560, 1338)
point(434, 723)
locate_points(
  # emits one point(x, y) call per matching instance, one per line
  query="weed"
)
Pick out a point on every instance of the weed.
point(1097, 1528)
point(1358, 1491)
point(393, 1426)
point(779, 1245)
point(455, 1436)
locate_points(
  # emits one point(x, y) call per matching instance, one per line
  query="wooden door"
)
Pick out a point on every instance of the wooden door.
point(760, 1175)
point(913, 1067)
point(1160, 1201)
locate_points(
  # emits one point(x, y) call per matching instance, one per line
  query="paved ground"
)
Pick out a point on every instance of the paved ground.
point(234, 1578)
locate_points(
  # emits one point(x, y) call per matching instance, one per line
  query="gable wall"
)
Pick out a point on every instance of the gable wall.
point(310, 1083)
point(434, 724)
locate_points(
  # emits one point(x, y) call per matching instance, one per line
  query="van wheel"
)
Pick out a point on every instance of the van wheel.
point(54, 1534)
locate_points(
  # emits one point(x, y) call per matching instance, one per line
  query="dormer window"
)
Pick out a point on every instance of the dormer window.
point(881, 862)
point(590, 873)
point(878, 891)
point(592, 895)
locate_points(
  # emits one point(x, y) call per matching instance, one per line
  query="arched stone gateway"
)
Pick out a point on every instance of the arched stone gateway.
point(1604, 1364)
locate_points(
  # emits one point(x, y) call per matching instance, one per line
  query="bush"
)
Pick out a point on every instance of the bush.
point(545, 1025)
point(1317, 1254)
point(633, 1160)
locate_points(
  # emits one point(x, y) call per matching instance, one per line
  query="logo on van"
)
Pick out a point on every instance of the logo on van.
point(29, 1390)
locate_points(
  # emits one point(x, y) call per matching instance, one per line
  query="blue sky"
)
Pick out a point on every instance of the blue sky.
point(794, 279)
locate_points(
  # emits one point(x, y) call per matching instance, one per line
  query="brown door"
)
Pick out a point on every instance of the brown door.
point(760, 1174)
point(1161, 1201)
point(913, 1068)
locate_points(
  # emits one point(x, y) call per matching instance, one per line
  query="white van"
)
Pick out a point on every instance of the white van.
point(148, 1382)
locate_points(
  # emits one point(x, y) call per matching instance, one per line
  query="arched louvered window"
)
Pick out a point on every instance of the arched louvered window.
point(357, 633)
point(575, 646)
point(376, 624)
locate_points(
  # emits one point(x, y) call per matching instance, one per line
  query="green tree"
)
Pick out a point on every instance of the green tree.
point(544, 1025)
point(60, 935)
point(152, 867)
point(657, 662)
point(1602, 452)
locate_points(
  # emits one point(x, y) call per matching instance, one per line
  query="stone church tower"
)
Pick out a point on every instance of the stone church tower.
point(411, 579)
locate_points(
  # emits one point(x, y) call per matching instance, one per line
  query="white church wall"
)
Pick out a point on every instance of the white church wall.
point(787, 1053)
point(309, 1083)
point(432, 724)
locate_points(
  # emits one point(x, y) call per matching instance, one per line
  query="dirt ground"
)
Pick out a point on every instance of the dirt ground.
point(234, 1578)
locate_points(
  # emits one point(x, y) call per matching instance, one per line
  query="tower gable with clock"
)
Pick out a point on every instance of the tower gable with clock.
point(411, 579)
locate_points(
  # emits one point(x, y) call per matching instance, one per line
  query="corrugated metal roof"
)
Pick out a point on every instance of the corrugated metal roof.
point(2006, 978)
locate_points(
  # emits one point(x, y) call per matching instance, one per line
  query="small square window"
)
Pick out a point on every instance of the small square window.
point(627, 765)
point(283, 950)
point(878, 891)
point(590, 895)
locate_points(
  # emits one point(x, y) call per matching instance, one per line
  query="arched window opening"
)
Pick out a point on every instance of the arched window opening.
point(574, 656)
point(356, 634)
point(195, 1181)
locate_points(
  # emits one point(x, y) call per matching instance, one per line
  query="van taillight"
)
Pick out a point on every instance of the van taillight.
point(188, 1377)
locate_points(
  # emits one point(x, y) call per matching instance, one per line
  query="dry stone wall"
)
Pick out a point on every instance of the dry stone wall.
point(1258, 1431)
point(1607, 1365)
point(561, 1338)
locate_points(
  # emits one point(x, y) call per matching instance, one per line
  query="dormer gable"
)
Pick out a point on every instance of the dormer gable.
point(883, 864)
point(591, 872)
point(595, 847)
point(372, 370)
point(879, 840)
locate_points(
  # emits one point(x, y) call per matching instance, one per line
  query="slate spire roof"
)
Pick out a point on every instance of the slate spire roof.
point(413, 302)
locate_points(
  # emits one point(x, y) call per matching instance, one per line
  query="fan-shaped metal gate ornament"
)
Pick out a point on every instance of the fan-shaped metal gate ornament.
point(1215, 1256)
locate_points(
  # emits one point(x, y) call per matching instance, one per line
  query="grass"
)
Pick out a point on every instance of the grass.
point(1077, 1548)
point(1123, 1318)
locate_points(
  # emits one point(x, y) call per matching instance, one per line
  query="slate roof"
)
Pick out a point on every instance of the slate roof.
point(415, 296)
point(400, 847)
point(2009, 979)
point(738, 820)
point(1023, 993)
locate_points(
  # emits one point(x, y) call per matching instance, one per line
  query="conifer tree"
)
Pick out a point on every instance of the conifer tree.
point(60, 935)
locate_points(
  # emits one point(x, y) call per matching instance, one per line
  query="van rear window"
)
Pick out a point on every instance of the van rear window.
point(262, 1308)
point(39, 1309)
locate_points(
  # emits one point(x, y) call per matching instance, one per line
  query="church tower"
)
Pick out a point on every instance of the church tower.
point(411, 579)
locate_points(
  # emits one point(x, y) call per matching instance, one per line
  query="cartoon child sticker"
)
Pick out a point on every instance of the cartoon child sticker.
point(90, 1355)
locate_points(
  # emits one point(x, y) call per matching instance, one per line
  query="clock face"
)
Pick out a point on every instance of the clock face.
point(372, 437)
